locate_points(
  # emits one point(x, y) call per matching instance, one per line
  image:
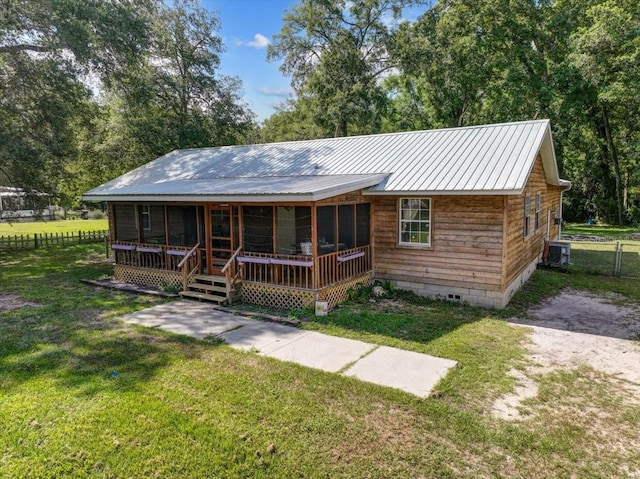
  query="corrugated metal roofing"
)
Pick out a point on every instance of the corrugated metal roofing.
point(488, 159)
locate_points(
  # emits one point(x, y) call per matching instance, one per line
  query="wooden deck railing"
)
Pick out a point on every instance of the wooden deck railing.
point(336, 267)
point(298, 271)
point(295, 271)
point(150, 255)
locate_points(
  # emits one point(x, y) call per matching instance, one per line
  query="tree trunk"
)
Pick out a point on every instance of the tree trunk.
point(613, 156)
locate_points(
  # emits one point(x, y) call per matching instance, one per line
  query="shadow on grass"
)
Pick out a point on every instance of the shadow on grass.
point(89, 355)
point(73, 338)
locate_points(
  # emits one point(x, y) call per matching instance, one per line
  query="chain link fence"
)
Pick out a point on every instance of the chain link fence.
point(606, 256)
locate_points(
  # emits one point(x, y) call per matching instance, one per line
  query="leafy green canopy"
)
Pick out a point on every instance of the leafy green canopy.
point(91, 89)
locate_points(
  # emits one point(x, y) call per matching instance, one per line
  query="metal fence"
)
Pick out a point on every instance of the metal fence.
point(607, 256)
point(47, 240)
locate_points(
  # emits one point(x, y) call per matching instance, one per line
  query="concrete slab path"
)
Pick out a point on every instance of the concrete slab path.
point(415, 373)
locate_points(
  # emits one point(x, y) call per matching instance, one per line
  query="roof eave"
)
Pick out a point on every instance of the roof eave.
point(507, 192)
point(317, 195)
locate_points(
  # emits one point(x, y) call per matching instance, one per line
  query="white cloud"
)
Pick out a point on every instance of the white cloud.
point(259, 41)
point(278, 92)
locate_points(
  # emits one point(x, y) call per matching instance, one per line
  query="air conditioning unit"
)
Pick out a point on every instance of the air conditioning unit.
point(559, 254)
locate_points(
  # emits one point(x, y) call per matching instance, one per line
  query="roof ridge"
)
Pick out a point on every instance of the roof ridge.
point(378, 135)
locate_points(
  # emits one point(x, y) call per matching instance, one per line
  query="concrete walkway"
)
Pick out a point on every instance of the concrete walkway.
point(412, 372)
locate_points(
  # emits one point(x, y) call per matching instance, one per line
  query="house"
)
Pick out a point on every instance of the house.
point(17, 204)
point(459, 214)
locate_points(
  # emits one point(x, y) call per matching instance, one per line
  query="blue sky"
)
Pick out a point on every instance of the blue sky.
point(247, 26)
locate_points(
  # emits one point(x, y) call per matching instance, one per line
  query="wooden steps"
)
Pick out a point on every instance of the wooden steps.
point(208, 288)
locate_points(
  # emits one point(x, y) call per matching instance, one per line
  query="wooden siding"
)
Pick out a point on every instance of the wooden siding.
point(466, 243)
point(520, 252)
point(353, 197)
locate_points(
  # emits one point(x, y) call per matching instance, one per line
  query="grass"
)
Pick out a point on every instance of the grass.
point(41, 227)
point(598, 230)
point(81, 394)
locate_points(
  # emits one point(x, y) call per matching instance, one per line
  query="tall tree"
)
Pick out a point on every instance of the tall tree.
point(605, 50)
point(336, 51)
point(48, 52)
point(174, 98)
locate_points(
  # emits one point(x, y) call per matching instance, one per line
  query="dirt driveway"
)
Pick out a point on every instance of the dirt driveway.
point(576, 328)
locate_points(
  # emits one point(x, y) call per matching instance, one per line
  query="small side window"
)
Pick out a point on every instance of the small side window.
point(527, 216)
point(537, 215)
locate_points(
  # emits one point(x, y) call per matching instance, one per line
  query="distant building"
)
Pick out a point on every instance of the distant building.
point(17, 204)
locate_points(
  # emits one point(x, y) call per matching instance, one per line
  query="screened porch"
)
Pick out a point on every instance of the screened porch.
point(297, 246)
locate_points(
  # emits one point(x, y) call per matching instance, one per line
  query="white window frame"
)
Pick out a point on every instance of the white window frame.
point(146, 213)
point(537, 211)
point(527, 216)
point(404, 221)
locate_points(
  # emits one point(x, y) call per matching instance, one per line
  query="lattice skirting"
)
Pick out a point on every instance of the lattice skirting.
point(280, 297)
point(147, 277)
point(339, 293)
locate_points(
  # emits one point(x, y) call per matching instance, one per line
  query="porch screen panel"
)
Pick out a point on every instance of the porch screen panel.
point(326, 219)
point(183, 225)
point(303, 225)
point(345, 226)
point(258, 228)
point(363, 214)
point(151, 224)
point(125, 223)
point(293, 228)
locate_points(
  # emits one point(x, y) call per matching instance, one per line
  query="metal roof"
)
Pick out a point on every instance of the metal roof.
point(487, 159)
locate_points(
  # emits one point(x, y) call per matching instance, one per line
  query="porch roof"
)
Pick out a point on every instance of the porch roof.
point(249, 189)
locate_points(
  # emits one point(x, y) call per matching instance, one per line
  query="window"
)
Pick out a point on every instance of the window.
point(537, 215)
point(527, 215)
point(415, 221)
point(145, 217)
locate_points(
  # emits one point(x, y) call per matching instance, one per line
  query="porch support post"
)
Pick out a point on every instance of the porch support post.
point(314, 247)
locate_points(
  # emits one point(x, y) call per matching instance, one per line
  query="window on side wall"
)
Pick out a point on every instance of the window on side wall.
point(415, 222)
point(537, 215)
point(527, 215)
point(145, 217)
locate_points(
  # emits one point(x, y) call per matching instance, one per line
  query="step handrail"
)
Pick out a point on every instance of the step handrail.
point(228, 278)
point(188, 255)
point(182, 266)
point(233, 256)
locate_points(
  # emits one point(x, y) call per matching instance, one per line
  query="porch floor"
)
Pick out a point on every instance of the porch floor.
point(411, 372)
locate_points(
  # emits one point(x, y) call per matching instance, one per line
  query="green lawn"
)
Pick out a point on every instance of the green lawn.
point(598, 230)
point(40, 227)
point(84, 395)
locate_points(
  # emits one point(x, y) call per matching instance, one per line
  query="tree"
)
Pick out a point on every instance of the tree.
point(605, 51)
point(292, 121)
point(48, 51)
point(173, 98)
point(336, 51)
point(178, 93)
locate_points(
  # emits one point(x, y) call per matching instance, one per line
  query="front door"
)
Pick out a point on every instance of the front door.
point(220, 238)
